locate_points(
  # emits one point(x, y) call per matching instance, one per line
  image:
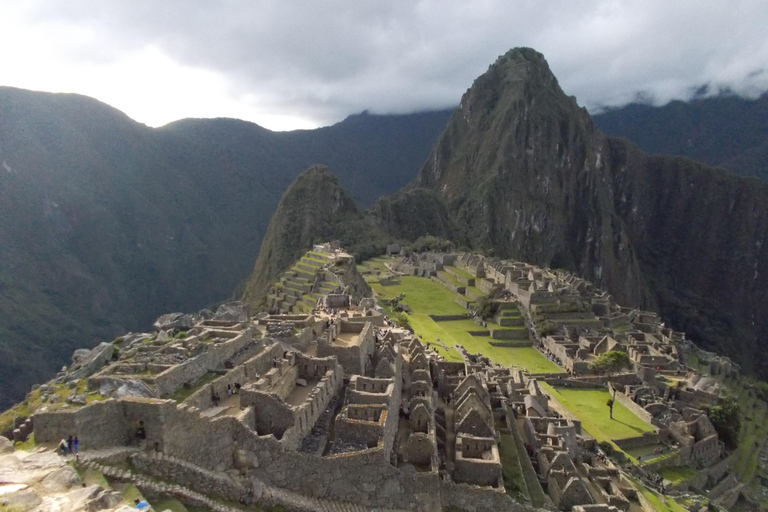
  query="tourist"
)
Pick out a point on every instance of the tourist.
point(141, 504)
point(70, 444)
point(229, 390)
point(237, 388)
point(63, 447)
point(75, 444)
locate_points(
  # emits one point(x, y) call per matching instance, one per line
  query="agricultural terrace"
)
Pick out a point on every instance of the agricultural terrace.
point(589, 406)
point(426, 297)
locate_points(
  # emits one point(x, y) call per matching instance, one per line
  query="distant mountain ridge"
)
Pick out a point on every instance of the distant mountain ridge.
point(527, 174)
point(107, 223)
point(723, 131)
point(521, 171)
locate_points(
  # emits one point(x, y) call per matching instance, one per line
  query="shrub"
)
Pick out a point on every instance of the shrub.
point(485, 308)
point(401, 320)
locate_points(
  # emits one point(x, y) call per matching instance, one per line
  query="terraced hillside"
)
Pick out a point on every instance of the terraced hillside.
point(439, 314)
point(303, 284)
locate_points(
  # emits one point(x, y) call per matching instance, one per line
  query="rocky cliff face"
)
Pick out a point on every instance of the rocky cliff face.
point(526, 174)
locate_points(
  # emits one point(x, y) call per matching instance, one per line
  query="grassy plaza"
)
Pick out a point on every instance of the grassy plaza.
point(426, 297)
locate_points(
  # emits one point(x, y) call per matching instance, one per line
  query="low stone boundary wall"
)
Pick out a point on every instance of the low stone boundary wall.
point(479, 333)
point(467, 281)
point(667, 460)
point(636, 409)
point(509, 334)
point(463, 302)
point(724, 485)
point(458, 289)
point(646, 439)
point(560, 380)
point(448, 318)
point(511, 344)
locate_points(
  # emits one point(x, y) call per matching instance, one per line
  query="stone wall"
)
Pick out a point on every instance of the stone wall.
point(636, 409)
point(646, 439)
point(509, 334)
point(355, 359)
point(445, 318)
point(306, 414)
point(479, 499)
point(105, 424)
point(245, 373)
point(192, 369)
point(211, 443)
point(203, 481)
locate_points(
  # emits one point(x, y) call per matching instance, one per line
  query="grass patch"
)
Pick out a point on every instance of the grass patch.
point(661, 504)
point(33, 400)
point(92, 477)
point(171, 504)
point(426, 296)
point(27, 445)
point(514, 481)
point(461, 272)
point(184, 392)
point(678, 474)
point(131, 493)
point(588, 405)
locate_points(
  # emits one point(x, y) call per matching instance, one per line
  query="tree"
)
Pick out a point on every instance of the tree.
point(609, 364)
point(401, 320)
point(726, 420)
point(485, 307)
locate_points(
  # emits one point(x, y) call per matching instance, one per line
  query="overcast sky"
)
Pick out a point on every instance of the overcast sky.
point(301, 64)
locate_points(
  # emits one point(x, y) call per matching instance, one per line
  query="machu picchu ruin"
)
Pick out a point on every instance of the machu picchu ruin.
point(323, 402)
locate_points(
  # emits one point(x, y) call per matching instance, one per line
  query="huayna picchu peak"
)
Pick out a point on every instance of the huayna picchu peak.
point(517, 313)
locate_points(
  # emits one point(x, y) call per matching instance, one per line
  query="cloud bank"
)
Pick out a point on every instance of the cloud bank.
point(291, 65)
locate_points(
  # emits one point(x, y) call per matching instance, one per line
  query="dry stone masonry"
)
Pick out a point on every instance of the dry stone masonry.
point(331, 407)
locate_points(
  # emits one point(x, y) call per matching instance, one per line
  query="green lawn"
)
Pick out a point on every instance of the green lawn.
point(588, 405)
point(425, 297)
point(660, 503)
point(514, 481)
point(678, 474)
point(461, 272)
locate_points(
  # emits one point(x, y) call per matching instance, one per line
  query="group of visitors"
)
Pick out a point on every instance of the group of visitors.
point(231, 390)
point(69, 445)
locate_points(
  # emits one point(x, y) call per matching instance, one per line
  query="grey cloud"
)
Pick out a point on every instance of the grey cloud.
point(325, 60)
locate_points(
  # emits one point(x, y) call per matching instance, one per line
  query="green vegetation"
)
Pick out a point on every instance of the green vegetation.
point(33, 400)
point(430, 243)
point(660, 503)
point(185, 392)
point(726, 420)
point(171, 504)
point(589, 407)
point(92, 477)
point(514, 481)
point(610, 364)
point(678, 474)
point(425, 297)
point(27, 445)
point(486, 308)
point(130, 494)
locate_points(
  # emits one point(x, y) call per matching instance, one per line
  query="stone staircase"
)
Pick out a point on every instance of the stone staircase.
point(151, 486)
point(270, 496)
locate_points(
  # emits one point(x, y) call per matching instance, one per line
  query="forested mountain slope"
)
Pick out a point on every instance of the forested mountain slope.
point(107, 223)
